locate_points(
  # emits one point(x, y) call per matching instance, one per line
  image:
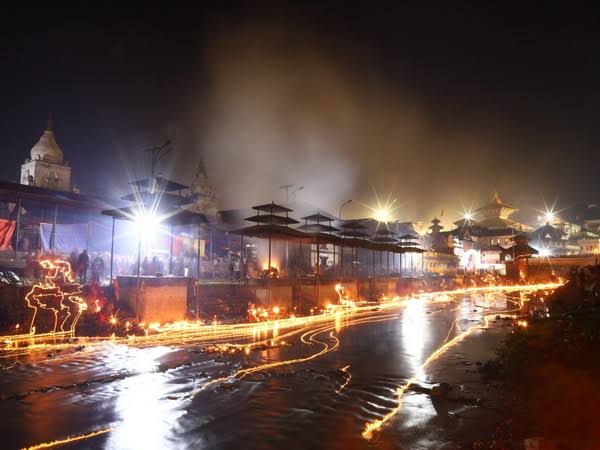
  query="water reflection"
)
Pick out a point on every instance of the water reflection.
point(414, 334)
point(145, 417)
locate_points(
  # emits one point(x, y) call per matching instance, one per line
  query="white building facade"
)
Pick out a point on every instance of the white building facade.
point(46, 167)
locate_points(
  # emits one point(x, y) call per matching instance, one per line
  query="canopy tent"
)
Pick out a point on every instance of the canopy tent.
point(170, 216)
point(157, 184)
point(154, 198)
point(272, 208)
point(272, 219)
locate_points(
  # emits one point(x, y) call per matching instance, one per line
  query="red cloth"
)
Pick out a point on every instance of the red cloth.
point(7, 228)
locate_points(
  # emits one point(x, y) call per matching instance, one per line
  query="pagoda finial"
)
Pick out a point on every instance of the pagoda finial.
point(201, 166)
point(497, 198)
point(50, 123)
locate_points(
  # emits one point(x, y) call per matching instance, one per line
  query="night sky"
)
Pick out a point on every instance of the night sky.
point(435, 107)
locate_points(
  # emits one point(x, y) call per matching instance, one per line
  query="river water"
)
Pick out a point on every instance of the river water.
point(141, 396)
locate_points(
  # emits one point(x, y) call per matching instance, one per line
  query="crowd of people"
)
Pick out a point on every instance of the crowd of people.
point(94, 267)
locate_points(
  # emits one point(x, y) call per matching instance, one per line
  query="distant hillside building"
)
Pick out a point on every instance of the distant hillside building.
point(46, 168)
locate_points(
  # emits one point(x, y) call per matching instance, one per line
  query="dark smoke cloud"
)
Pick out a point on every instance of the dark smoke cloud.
point(276, 104)
point(279, 109)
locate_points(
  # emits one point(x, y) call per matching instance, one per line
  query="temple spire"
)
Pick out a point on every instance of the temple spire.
point(50, 123)
point(201, 170)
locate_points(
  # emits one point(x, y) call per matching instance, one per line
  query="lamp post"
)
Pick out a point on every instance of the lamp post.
point(347, 202)
point(288, 195)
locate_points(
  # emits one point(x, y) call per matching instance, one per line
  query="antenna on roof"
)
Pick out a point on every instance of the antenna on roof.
point(158, 153)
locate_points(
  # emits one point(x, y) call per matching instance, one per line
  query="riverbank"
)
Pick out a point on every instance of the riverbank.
point(550, 368)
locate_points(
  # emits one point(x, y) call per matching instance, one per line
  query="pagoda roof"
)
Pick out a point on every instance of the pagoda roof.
point(354, 224)
point(353, 233)
point(157, 184)
point(520, 251)
point(317, 228)
point(384, 239)
point(318, 217)
point(167, 216)
point(272, 208)
point(407, 236)
point(271, 218)
point(149, 198)
point(270, 230)
point(493, 248)
point(548, 232)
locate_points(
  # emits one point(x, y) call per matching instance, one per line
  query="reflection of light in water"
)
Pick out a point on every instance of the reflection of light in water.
point(338, 321)
point(414, 333)
point(145, 360)
point(144, 413)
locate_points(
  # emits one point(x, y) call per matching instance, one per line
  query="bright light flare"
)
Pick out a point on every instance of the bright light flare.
point(146, 224)
point(545, 253)
point(382, 215)
point(549, 216)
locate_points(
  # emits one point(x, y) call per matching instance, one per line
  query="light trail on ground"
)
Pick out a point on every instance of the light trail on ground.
point(348, 378)
point(249, 335)
point(69, 439)
point(376, 425)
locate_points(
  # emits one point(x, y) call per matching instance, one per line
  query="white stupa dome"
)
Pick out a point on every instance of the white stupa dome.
point(46, 148)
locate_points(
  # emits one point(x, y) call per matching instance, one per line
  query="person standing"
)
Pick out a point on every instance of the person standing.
point(83, 263)
point(74, 262)
point(98, 269)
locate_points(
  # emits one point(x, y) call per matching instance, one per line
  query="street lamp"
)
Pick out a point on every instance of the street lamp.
point(549, 216)
point(347, 202)
point(289, 194)
point(382, 215)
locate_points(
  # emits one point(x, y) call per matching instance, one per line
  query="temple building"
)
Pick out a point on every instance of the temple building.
point(47, 168)
point(440, 257)
point(492, 224)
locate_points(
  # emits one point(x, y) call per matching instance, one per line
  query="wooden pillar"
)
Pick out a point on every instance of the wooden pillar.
point(210, 234)
point(53, 241)
point(241, 257)
point(18, 226)
point(171, 251)
point(137, 293)
point(112, 249)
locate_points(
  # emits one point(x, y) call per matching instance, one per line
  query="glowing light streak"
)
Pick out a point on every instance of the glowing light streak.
point(192, 333)
point(348, 378)
point(69, 439)
point(57, 286)
point(376, 425)
point(186, 333)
